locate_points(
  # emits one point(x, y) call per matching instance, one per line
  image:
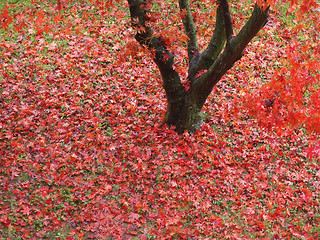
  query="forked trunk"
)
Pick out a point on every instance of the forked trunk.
point(224, 49)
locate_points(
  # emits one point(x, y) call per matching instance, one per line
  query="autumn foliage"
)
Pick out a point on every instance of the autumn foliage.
point(84, 150)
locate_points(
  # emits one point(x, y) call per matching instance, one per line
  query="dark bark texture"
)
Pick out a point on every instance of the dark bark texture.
point(224, 49)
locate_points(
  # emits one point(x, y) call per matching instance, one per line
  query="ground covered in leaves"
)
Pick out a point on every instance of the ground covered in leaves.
point(84, 152)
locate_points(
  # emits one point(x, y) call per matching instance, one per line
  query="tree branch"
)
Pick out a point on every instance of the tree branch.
point(256, 21)
point(215, 46)
point(223, 31)
point(190, 28)
point(227, 20)
point(204, 84)
point(162, 57)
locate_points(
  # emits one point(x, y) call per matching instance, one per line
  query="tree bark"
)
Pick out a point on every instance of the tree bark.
point(224, 49)
point(189, 117)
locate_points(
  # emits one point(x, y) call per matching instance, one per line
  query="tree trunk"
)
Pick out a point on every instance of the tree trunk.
point(187, 118)
point(224, 49)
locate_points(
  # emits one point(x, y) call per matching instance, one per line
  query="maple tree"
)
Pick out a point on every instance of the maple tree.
point(206, 68)
point(185, 104)
point(84, 153)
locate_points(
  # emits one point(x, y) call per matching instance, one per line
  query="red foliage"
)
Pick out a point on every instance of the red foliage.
point(84, 151)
